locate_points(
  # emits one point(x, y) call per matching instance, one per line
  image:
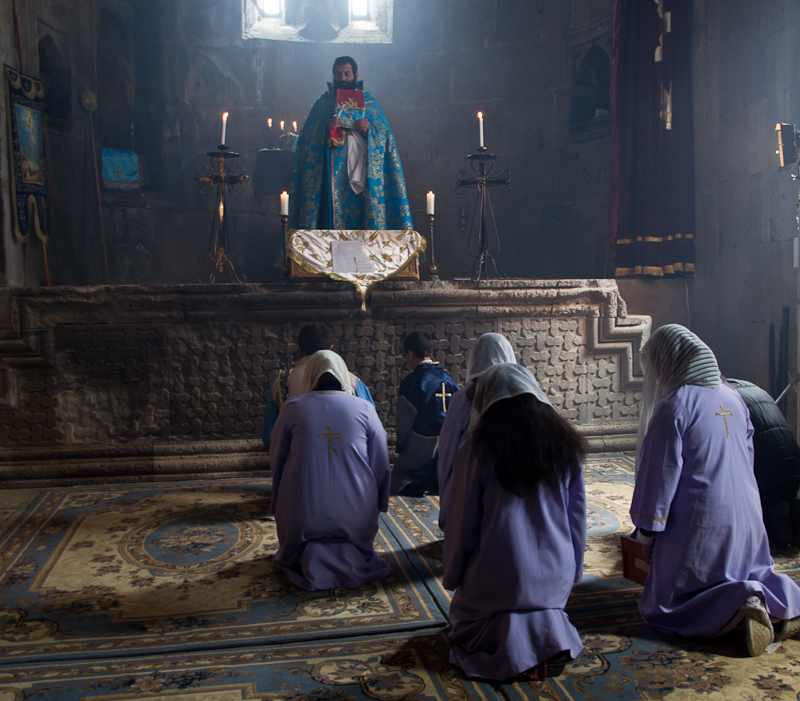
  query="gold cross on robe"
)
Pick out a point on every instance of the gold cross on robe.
point(724, 414)
point(330, 435)
point(443, 394)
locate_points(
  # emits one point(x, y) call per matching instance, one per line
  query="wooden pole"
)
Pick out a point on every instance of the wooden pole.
point(99, 199)
point(18, 37)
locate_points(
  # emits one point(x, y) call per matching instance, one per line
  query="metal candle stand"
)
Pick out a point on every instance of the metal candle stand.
point(482, 164)
point(433, 271)
point(285, 272)
point(222, 247)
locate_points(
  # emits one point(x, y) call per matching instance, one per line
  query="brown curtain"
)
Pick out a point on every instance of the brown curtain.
point(651, 183)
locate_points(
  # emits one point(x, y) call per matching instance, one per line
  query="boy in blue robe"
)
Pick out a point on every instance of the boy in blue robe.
point(422, 405)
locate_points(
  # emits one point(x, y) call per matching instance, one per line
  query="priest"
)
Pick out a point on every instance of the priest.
point(347, 178)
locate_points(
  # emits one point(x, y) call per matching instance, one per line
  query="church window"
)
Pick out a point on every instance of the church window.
point(270, 8)
point(359, 9)
point(328, 21)
point(590, 90)
point(56, 80)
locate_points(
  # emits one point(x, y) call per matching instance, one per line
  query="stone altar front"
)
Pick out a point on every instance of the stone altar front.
point(134, 383)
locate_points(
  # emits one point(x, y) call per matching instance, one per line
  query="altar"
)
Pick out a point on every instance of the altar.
point(134, 383)
point(362, 258)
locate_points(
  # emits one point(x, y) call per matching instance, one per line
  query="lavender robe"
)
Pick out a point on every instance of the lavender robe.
point(512, 563)
point(454, 427)
point(695, 486)
point(331, 476)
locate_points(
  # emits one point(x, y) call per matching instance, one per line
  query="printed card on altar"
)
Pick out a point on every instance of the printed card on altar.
point(349, 257)
point(349, 107)
point(634, 566)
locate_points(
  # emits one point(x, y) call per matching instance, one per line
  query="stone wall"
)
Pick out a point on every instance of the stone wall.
point(168, 69)
point(746, 81)
point(130, 383)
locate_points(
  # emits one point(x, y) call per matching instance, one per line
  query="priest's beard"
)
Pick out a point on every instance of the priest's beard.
point(344, 84)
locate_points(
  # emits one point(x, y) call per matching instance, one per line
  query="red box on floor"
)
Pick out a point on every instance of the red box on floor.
point(634, 566)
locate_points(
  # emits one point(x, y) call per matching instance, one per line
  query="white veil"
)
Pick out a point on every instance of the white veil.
point(326, 361)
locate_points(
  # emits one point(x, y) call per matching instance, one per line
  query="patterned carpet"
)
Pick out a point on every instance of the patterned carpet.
point(168, 591)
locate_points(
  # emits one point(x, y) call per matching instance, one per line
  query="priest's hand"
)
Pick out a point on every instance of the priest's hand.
point(333, 123)
point(362, 125)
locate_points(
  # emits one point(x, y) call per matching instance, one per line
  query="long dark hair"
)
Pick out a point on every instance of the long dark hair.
point(529, 444)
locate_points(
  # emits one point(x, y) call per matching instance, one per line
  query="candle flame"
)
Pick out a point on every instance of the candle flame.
point(269, 122)
point(224, 115)
point(480, 115)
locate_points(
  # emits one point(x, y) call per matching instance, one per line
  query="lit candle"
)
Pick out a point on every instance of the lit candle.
point(269, 123)
point(284, 204)
point(431, 197)
point(480, 127)
point(221, 211)
point(282, 123)
point(224, 126)
point(294, 127)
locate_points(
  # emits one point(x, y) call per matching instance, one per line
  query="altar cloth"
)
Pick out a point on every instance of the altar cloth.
point(386, 251)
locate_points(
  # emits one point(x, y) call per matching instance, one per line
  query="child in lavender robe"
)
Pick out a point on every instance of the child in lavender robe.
point(515, 534)
point(490, 349)
point(697, 504)
point(331, 477)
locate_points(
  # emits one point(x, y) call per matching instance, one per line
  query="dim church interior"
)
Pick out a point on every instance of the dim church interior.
point(160, 376)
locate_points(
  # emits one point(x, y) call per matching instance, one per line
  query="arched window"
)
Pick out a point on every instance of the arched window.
point(55, 78)
point(591, 87)
point(333, 21)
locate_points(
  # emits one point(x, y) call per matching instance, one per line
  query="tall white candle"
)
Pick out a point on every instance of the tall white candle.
point(284, 204)
point(224, 126)
point(431, 198)
point(480, 127)
point(294, 127)
point(269, 123)
point(282, 123)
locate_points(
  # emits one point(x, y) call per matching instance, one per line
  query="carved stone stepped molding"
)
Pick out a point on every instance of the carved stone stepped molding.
point(141, 383)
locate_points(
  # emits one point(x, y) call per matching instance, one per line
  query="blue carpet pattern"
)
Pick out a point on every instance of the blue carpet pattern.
point(167, 591)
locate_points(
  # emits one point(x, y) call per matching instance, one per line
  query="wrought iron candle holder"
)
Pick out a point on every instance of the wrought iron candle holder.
point(285, 272)
point(482, 164)
point(224, 178)
point(433, 271)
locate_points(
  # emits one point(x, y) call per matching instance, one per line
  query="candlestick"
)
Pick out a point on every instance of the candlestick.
point(285, 230)
point(433, 271)
point(431, 198)
point(224, 126)
point(480, 128)
point(284, 204)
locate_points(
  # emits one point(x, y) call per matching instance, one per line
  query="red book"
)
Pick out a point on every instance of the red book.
point(349, 107)
point(634, 566)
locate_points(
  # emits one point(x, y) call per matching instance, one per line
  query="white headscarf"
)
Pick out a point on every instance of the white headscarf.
point(503, 381)
point(490, 349)
point(673, 357)
point(326, 361)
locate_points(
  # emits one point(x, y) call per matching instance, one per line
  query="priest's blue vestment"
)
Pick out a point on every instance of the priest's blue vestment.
point(321, 196)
